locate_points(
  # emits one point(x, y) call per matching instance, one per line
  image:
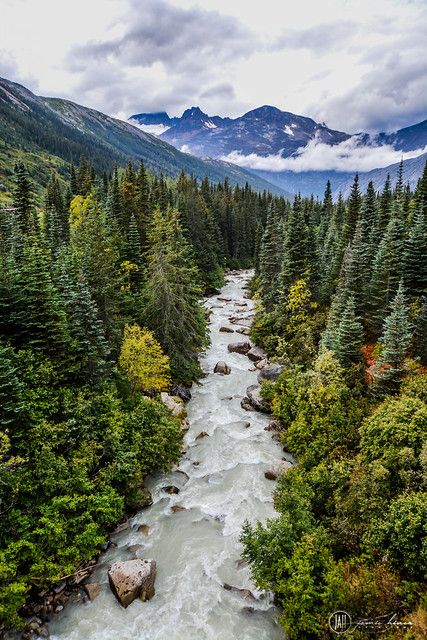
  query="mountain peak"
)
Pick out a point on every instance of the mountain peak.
point(193, 112)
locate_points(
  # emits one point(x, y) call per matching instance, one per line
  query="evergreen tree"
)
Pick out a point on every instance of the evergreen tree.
point(74, 185)
point(39, 318)
point(395, 342)
point(384, 210)
point(11, 390)
point(171, 296)
point(415, 254)
point(421, 332)
point(22, 199)
point(349, 336)
point(420, 195)
point(270, 257)
point(258, 243)
point(142, 202)
point(94, 250)
point(295, 247)
point(89, 348)
point(353, 210)
point(387, 272)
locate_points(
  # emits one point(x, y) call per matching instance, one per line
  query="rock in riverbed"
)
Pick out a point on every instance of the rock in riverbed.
point(271, 372)
point(226, 330)
point(222, 367)
point(132, 579)
point(239, 347)
point(256, 400)
point(256, 354)
point(245, 331)
point(181, 392)
point(246, 405)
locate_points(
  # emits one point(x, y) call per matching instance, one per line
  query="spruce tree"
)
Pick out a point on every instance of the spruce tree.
point(384, 209)
point(395, 342)
point(387, 271)
point(11, 390)
point(39, 318)
point(415, 255)
point(258, 242)
point(353, 210)
point(142, 202)
point(89, 348)
point(349, 336)
point(421, 192)
point(270, 257)
point(421, 332)
point(171, 296)
point(295, 247)
point(22, 199)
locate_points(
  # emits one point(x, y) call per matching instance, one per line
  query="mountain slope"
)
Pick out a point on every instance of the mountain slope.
point(56, 132)
point(407, 139)
point(412, 171)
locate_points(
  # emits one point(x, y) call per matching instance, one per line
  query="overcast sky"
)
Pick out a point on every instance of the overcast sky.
point(355, 64)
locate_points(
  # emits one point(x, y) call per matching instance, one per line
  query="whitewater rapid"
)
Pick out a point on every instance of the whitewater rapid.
point(197, 550)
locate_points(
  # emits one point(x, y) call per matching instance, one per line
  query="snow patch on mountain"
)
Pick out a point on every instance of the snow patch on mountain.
point(288, 130)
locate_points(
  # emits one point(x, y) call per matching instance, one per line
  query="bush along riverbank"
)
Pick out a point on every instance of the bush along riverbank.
point(343, 309)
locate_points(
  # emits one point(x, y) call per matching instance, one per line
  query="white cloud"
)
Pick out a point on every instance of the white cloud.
point(349, 155)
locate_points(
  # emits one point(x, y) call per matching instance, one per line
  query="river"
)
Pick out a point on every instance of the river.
point(197, 550)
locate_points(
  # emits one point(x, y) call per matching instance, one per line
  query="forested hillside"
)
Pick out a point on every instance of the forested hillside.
point(49, 133)
point(100, 312)
point(342, 290)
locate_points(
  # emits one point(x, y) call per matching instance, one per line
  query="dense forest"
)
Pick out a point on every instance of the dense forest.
point(99, 313)
point(342, 291)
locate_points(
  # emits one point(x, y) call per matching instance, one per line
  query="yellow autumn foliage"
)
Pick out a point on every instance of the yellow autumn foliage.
point(79, 207)
point(142, 359)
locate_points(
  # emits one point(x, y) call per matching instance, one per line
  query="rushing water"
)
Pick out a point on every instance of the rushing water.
point(198, 550)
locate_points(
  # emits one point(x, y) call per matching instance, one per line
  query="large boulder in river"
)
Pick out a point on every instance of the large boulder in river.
point(226, 330)
point(222, 367)
point(132, 579)
point(174, 404)
point(256, 354)
point(256, 400)
point(271, 372)
point(239, 347)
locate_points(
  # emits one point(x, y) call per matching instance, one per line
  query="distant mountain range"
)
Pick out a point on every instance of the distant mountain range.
point(49, 133)
point(268, 131)
point(264, 131)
